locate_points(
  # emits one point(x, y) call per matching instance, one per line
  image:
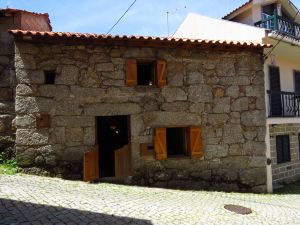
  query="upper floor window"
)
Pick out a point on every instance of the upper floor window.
point(146, 73)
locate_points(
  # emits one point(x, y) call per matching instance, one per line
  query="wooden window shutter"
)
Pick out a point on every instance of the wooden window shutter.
point(131, 72)
point(91, 165)
point(160, 143)
point(161, 73)
point(195, 148)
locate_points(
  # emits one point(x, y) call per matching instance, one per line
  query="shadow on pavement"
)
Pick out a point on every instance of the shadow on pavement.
point(19, 212)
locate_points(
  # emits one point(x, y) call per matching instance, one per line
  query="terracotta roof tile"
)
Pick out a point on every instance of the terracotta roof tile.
point(246, 3)
point(160, 40)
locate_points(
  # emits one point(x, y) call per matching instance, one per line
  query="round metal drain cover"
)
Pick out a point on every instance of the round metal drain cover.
point(238, 209)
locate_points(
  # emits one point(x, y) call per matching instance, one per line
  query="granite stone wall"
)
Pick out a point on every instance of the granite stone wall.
point(290, 171)
point(7, 89)
point(221, 91)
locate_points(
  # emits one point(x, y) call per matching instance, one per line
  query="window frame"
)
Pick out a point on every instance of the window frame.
point(185, 133)
point(153, 71)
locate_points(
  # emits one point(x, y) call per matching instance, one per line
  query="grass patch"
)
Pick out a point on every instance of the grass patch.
point(7, 166)
point(293, 188)
point(8, 169)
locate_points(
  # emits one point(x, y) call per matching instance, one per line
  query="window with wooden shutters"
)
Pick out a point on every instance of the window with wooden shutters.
point(297, 81)
point(161, 72)
point(160, 144)
point(195, 147)
point(131, 72)
point(283, 149)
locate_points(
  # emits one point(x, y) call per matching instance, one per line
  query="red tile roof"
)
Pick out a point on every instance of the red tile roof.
point(11, 10)
point(142, 40)
point(246, 3)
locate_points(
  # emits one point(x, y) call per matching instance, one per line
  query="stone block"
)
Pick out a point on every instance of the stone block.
point(221, 105)
point(74, 153)
point(68, 106)
point(197, 108)
point(216, 151)
point(57, 135)
point(74, 136)
point(105, 67)
point(30, 77)
point(172, 94)
point(253, 177)
point(235, 162)
point(195, 77)
point(240, 104)
point(32, 137)
point(217, 119)
point(257, 161)
point(233, 134)
point(154, 119)
point(33, 104)
point(200, 93)
point(89, 95)
point(89, 78)
point(175, 107)
point(107, 109)
point(26, 90)
point(89, 137)
point(57, 91)
point(233, 91)
point(73, 121)
point(253, 118)
point(25, 121)
point(25, 156)
point(68, 76)
point(203, 175)
point(25, 61)
point(255, 91)
point(7, 107)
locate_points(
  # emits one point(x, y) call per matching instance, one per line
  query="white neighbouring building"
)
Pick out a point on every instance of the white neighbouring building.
point(275, 22)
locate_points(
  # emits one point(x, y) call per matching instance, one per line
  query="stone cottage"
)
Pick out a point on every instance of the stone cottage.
point(163, 112)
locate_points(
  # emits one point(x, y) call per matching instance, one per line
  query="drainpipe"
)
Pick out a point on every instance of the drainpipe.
point(267, 137)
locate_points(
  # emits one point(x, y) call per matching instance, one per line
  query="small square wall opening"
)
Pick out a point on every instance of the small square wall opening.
point(177, 141)
point(146, 73)
point(49, 77)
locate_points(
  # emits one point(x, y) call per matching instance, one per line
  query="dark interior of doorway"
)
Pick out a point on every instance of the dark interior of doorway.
point(112, 134)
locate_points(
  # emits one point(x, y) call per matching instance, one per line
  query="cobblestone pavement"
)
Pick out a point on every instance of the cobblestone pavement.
point(26, 199)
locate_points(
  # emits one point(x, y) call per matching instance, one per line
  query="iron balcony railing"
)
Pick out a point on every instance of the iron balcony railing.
point(283, 104)
point(281, 25)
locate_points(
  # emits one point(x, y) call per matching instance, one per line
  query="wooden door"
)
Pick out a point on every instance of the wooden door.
point(91, 164)
point(123, 162)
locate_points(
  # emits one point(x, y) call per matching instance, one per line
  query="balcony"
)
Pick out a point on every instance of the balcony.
point(281, 25)
point(283, 104)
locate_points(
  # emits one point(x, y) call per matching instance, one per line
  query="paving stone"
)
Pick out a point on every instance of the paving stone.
point(26, 199)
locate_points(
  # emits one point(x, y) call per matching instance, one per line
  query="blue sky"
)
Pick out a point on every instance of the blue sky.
point(146, 17)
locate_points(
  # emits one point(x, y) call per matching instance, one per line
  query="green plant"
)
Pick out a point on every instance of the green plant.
point(7, 166)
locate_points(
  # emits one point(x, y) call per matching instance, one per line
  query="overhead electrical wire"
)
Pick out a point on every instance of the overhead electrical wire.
point(121, 17)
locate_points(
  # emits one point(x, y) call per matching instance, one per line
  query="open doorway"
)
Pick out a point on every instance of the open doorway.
point(113, 141)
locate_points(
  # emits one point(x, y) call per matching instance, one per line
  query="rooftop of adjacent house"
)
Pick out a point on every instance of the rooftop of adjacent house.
point(233, 11)
point(202, 27)
point(133, 40)
point(31, 16)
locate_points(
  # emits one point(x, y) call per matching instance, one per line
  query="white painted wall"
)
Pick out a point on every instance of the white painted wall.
point(201, 27)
